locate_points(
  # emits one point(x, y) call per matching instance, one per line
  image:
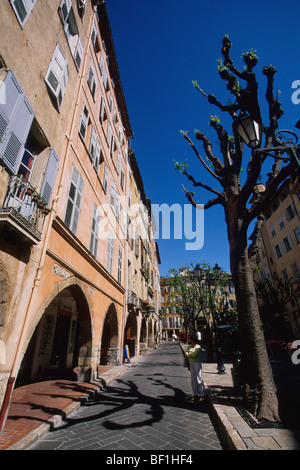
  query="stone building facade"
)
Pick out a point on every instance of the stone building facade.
point(64, 146)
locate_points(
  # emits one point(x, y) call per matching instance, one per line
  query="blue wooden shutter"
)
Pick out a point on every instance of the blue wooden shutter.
point(16, 116)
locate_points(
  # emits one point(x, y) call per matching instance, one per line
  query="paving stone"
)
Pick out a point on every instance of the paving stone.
point(142, 409)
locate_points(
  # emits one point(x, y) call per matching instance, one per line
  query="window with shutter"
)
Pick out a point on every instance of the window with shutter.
point(50, 175)
point(78, 53)
point(110, 248)
point(16, 116)
point(94, 231)
point(105, 179)
point(297, 234)
point(71, 31)
point(108, 134)
point(74, 200)
point(95, 149)
point(57, 75)
point(22, 9)
point(84, 122)
point(102, 115)
point(92, 80)
point(112, 196)
point(101, 64)
point(120, 265)
point(94, 33)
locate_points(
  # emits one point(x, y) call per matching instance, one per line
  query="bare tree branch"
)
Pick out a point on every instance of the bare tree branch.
point(218, 165)
point(202, 185)
point(199, 157)
point(210, 203)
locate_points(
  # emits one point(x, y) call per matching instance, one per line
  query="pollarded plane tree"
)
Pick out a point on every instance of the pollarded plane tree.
point(257, 378)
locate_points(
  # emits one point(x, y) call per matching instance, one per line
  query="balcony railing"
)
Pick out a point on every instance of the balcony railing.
point(131, 298)
point(23, 211)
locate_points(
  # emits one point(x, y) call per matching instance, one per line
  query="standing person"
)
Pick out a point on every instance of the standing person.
point(193, 354)
point(198, 337)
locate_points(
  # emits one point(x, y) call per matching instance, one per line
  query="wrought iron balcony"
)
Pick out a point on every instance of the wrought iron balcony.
point(23, 212)
point(131, 298)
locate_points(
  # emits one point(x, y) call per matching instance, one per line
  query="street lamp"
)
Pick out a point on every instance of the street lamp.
point(220, 364)
point(199, 273)
point(251, 133)
point(249, 130)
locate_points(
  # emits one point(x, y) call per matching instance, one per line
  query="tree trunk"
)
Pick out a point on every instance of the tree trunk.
point(256, 373)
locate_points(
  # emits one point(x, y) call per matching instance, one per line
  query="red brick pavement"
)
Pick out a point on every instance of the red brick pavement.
point(35, 404)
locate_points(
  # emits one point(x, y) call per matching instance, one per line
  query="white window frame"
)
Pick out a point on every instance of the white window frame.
point(94, 237)
point(74, 202)
point(84, 123)
point(92, 81)
point(95, 148)
point(16, 116)
point(105, 177)
point(59, 73)
point(120, 260)
point(71, 31)
point(110, 252)
point(27, 5)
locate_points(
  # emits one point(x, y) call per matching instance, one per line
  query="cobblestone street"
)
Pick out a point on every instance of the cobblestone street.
point(145, 408)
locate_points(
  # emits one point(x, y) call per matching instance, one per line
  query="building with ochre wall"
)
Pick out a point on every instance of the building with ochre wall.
point(64, 144)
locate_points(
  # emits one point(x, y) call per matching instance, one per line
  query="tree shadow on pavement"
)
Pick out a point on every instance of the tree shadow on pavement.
point(149, 409)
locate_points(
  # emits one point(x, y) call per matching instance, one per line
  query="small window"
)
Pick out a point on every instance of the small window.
point(296, 271)
point(71, 31)
point(94, 231)
point(297, 234)
point(102, 115)
point(290, 212)
point(288, 245)
point(84, 122)
point(92, 82)
point(95, 149)
point(105, 179)
point(22, 9)
point(57, 76)
point(120, 265)
point(278, 251)
point(281, 223)
point(74, 200)
point(272, 230)
point(110, 248)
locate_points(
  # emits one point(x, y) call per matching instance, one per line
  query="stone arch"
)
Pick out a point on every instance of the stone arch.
point(110, 350)
point(61, 335)
point(131, 333)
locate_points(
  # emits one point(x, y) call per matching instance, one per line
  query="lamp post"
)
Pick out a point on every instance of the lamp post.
point(208, 277)
point(251, 133)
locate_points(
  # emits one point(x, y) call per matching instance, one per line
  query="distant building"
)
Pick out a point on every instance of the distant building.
point(278, 261)
point(174, 313)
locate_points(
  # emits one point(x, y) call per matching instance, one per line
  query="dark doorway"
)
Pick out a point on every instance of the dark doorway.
point(60, 342)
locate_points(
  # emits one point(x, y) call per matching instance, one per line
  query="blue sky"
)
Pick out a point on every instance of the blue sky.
point(163, 45)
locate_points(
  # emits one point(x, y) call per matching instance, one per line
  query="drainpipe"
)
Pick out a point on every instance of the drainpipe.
point(6, 400)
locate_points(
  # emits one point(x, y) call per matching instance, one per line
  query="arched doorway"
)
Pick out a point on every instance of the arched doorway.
point(110, 351)
point(61, 343)
point(130, 333)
